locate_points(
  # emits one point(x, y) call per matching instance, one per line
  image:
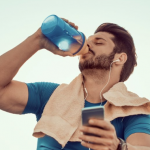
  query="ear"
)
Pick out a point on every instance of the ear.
point(122, 57)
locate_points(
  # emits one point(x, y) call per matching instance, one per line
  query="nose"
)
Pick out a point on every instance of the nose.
point(89, 43)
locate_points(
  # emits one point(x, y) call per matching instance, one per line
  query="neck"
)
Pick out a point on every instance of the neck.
point(94, 82)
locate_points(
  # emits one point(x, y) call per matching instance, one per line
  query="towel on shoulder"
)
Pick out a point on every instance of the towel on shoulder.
point(61, 118)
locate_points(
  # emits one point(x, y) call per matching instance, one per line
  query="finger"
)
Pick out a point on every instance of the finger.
point(101, 123)
point(76, 27)
point(95, 131)
point(66, 20)
point(95, 140)
point(62, 53)
point(67, 54)
point(71, 23)
point(94, 146)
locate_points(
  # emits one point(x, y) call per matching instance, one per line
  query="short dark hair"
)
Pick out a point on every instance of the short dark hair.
point(123, 43)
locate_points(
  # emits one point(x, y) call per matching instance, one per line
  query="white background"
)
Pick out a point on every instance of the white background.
point(21, 18)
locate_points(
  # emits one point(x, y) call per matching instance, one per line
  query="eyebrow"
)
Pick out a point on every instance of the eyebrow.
point(98, 38)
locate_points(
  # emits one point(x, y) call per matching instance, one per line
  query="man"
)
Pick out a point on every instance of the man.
point(109, 43)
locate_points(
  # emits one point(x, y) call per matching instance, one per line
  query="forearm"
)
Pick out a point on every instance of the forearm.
point(131, 147)
point(11, 61)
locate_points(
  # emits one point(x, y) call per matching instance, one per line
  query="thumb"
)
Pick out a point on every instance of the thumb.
point(63, 53)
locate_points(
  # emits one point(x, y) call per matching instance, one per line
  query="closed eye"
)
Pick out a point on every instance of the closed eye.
point(99, 43)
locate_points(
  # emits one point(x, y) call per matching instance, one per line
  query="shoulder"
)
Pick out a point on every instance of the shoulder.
point(139, 118)
point(41, 89)
point(42, 86)
point(38, 95)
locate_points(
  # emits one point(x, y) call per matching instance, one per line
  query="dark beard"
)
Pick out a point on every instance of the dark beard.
point(100, 62)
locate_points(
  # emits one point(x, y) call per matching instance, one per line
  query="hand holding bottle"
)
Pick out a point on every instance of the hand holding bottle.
point(64, 35)
point(45, 43)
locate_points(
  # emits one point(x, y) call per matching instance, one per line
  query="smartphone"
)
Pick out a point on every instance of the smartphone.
point(92, 112)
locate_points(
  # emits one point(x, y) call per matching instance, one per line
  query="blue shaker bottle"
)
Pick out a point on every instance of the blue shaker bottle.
point(64, 36)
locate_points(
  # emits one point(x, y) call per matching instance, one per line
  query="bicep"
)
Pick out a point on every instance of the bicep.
point(139, 139)
point(22, 98)
point(14, 97)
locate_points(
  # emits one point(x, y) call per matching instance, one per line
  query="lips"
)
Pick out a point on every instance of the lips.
point(89, 52)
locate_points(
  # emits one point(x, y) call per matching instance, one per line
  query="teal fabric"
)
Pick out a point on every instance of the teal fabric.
point(39, 94)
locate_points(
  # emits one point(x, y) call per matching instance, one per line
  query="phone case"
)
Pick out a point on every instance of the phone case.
point(92, 112)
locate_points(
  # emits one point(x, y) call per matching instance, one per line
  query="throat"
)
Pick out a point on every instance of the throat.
point(94, 76)
point(94, 82)
point(92, 93)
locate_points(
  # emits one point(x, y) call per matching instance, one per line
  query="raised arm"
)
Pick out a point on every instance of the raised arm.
point(14, 94)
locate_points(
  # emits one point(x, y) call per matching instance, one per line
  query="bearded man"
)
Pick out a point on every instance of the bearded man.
point(111, 59)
